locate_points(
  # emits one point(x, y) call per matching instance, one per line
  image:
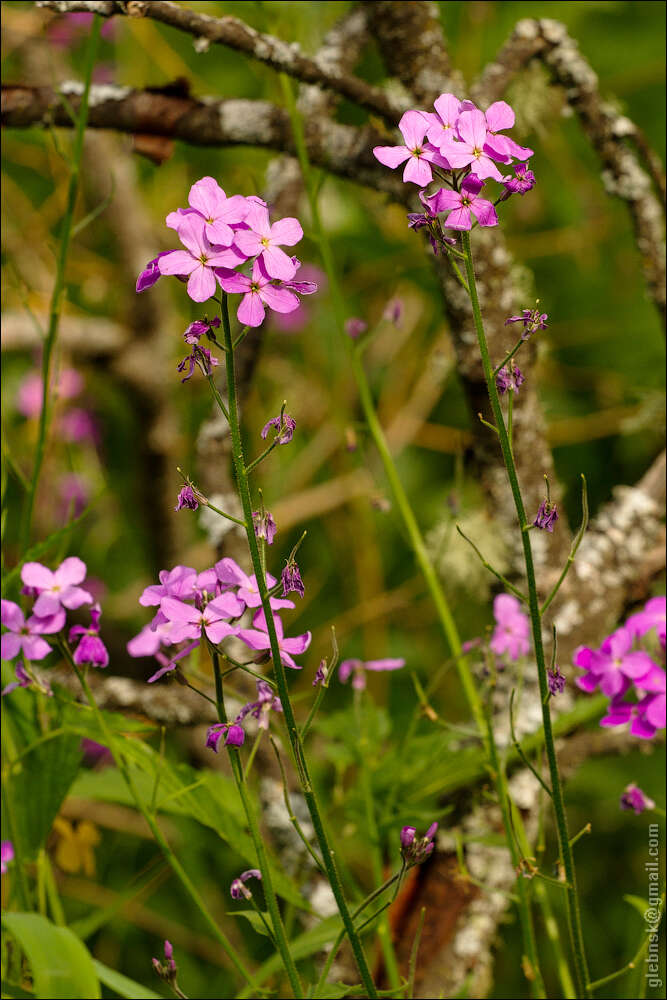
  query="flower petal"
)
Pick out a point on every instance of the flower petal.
point(201, 284)
point(391, 156)
point(177, 262)
point(251, 310)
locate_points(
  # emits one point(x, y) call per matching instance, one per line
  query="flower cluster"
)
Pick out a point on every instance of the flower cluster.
point(54, 594)
point(208, 606)
point(167, 970)
point(626, 663)
point(222, 235)
point(463, 147)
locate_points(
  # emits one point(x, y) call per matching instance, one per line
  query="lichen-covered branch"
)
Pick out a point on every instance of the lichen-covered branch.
point(342, 149)
point(607, 129)
point(236, 34)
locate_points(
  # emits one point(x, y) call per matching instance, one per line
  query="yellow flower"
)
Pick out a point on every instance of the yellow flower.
point(75, 846)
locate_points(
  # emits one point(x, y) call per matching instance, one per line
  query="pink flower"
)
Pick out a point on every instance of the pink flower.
point(512, 628)
point(90, 649)
point(26, 636)
point(178, 582)
point(199, 258)
point(56, 589)
point(258, 292)
point(613, 664)
point(500, 116)
point(217, 210)
point(652, 617)
point(471, 148)
point(257, 638)
point(460, 205)
point(67, 385)
point(263, 240)
point(188, 622)
point(357, 669)
point(418, 153)
point(442, 124)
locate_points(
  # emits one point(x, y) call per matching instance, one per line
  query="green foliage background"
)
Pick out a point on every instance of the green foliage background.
point(601, 377)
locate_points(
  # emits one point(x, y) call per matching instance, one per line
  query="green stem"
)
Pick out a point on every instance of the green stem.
point(553, 933)
point(534, 975)
point(508, 357)
point(173, 861)
point(409, 520)
point(373, 839)
point(58, 293)
point(574, 917)
point(278, 935)
point(279, 669)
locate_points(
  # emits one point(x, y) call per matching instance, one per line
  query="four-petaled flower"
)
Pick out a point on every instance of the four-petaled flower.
point(419, 153)
point(188, 622)
point(523, 181)
point(217, 210)
point(462, 204)
point(58, 589)
point(512, 628)
point(470, 147)
point(233, 735)
point(284, 424)
point(258, 291)
point(263, 240)
point(26, 636)
point(198, 260)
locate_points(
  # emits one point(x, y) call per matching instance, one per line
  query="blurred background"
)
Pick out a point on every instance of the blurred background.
point(123, 421)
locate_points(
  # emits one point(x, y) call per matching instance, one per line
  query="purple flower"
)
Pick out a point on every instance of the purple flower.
point(393, 311)
point(499, 117)
point(418, 153)
point(6, 855)
point(265, 526)
point(217, 210)
point(321, 674)
point(357, 669)
point(200, 327)
point(532, 320)
point(652, 617)
point(291, 580)
point(471, 147)
point(178, 582)
point(230, 573)
point(233, 735)
point(523, 180)
point(187, 498)
point(238, 887)
point(556, 681)
point(151, 273)
point(614, 665)
point(167, 971)
point(512, 629)
point(509, 379)
point(263, 239)
point(26, 636)
point(633, 798)
point(90, 650)
point(257, 638)
point(189, 622)
point(415, 849)
point(167, 664)
point(200, 356)
point(260, 709)
point(57, 589)
point(23, 680)
point(546, 517)
point(460, 205)
point(285, 426)
point(258, 292)
point(198, 260)
point(354, 327)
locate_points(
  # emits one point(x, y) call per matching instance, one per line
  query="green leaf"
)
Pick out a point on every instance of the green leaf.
point(44, 775)
point(639, 904)
point(122, 985)
point(253, 918)
point(61, 966)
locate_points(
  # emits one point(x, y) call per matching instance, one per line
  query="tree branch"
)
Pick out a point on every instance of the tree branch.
point(236, 34)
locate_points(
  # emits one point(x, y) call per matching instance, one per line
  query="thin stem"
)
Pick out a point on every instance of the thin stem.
point(553, 933)
point(173, 861)
point(487, 565)
point(260, 458)
point(328, 856)
point(58, 293)
point(523, 902)
point(508, 357)
point(278, 935)
point(574, 917)
point(291, 814)
point(373, 838)
point(576, 542)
